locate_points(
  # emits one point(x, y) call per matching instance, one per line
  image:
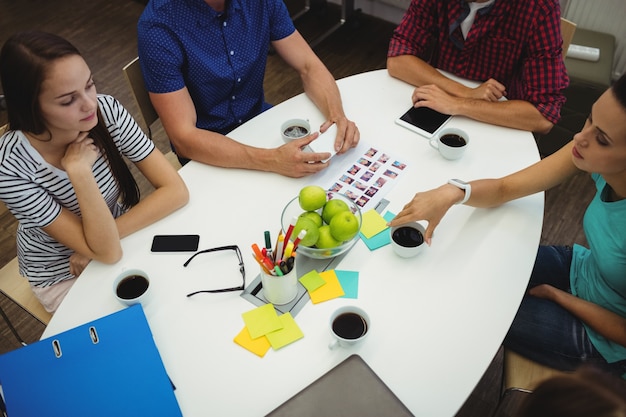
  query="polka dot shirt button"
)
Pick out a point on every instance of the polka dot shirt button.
point(232, 52)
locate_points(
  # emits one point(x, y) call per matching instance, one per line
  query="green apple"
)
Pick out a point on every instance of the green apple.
point(344, 226)
point(325, 239)
point(312, 197)
point(312, 231)
point(333, 207)
point(313, 215)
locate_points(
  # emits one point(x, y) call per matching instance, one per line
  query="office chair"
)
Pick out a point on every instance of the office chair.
point(133, 74)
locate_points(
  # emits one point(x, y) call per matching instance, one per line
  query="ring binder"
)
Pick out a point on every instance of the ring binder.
point(109, 367)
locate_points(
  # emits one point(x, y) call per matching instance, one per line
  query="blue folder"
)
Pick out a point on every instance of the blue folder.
point(109, 367)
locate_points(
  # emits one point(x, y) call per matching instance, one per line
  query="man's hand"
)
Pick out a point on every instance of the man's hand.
point(348, 134)
point(490, 90)
point(292, 161)
point(435, 98)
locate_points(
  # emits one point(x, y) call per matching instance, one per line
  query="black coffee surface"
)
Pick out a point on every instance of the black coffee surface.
point(296, 132)
point(455, 141)
point(349, 326)
point(408, 237)
point(132, 287)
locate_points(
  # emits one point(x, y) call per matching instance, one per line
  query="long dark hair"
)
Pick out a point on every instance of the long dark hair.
point(24, 62)
point(619, 90)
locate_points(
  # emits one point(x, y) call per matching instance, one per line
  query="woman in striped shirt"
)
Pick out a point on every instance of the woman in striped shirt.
point(61, 168)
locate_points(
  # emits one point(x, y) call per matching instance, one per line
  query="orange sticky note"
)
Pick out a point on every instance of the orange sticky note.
point(332, 288)
point(258, 346)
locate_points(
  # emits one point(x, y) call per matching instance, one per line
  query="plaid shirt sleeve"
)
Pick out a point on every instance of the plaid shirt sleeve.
point(544, 75)
point(413, 34)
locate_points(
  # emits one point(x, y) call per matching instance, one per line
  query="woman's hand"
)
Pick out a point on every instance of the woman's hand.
point(82, 152)
point(546, 291)
point(78, 263)
point(430, 206)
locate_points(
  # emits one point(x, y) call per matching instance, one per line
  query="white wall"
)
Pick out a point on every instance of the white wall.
point(605, 16)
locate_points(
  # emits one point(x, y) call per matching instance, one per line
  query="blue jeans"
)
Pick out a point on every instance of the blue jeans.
point(545, 332)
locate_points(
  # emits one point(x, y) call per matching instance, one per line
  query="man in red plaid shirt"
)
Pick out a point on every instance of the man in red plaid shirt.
point(513, 47)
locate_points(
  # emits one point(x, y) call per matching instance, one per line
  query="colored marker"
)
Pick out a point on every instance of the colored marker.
point(257, 251)
point(292, 224)
point(288, 250)
point(289, 264)
point(263, 267)
point(296, 242)
point(279, 248)
point(278, 271)
point(268, 244)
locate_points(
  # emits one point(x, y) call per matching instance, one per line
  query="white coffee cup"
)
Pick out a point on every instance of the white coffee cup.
point(295, 129)
point(407, 239)
point(451, 142)
point(349, 325)
point(132, 286)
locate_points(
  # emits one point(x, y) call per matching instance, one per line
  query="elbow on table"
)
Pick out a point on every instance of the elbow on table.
point(393, 66)
point(543, 126)
point(110, 257)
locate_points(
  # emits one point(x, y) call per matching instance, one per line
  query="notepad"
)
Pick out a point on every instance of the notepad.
point(352, 385)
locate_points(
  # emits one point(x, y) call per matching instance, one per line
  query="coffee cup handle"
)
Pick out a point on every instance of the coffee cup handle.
point(434, 143)
point(333, 344)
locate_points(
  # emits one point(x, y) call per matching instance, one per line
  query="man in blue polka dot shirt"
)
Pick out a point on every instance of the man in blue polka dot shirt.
point(204, 62)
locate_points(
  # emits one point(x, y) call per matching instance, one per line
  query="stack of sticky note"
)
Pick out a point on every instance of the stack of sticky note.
point(374, 230)
point(265, 328)
point(324, 286)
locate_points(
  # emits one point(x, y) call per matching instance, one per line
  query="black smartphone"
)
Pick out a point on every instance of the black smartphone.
point(175, 243)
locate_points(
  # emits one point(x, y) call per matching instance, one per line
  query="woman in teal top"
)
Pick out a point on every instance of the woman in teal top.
point(575, 309)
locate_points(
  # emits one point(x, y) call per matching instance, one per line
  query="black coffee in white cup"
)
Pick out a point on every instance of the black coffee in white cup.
point(349, 325)
point(407, 240)
point(407, 236)
point(451, 139)
point(132, 287)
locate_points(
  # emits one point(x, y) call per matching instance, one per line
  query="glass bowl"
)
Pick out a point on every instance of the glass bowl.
point(293, 209)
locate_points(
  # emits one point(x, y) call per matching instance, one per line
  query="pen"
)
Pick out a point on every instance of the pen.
point(289, 263)
point(298, 239)
point(261, 264)
point(268, 263)
point(268, 244)
point(257, 252)
point(288, 250)
point(292, 224)
point(283, 267)
point(279, 248)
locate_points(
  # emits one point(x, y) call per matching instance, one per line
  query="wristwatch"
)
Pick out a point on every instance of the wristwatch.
point(465, 186)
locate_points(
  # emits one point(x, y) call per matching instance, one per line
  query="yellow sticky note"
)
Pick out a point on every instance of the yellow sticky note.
point(332, 288)
point(261, 320)
point(312, 280)
point(288, 334)
point(373, 223)
point(258, 346)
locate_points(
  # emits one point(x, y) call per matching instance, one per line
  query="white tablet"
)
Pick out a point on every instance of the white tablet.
point(423, 120)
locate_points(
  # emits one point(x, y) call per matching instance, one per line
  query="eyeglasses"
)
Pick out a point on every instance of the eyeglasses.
point(242, 268)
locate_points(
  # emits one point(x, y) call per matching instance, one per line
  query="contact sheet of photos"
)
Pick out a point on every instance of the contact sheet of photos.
point(368, 179)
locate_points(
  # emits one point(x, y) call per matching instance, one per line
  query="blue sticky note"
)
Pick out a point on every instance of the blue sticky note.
point(349, 281)
point(380, 239)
